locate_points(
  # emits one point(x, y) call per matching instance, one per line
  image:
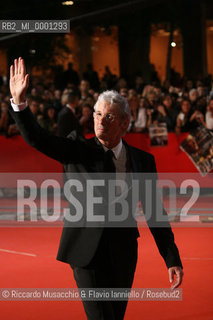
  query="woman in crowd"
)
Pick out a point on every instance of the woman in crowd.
point(167, 112)
point(187, 119)
point(49, 119)
point(86, 120)
point(140, 122)
point(209, 115)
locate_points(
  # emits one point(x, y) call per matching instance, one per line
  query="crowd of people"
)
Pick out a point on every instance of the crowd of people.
point(64, 106)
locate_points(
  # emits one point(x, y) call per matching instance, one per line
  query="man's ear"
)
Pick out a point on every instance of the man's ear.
point(125, 123)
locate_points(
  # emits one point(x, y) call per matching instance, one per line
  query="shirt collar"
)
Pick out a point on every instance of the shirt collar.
point(116, 150)
point(71, 108)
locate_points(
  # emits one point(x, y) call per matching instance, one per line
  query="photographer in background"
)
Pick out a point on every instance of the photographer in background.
point(188, 119)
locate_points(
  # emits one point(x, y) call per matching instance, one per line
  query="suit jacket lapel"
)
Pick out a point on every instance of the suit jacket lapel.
point(134, 163)
point(99, 154)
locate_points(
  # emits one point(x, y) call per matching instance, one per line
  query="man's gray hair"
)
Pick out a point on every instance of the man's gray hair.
point(113, 97)
point(192, 91)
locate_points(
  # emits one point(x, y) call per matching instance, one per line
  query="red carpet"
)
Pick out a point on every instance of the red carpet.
point(43, 271)
point(33, 161)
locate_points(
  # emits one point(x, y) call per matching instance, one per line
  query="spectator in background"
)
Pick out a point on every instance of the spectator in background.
point(201, 104)
point(138, 114)
point(209, 115)
point(140, 122)
point(189, 85)
point(193, 96)
point(121, 83)
point(57, 100)
point(4, 117)
point(145, 112)
point(182, 122)
point(41, 108)
point(86, 120)
point(187, 119)
point(64, 97)
point(39, 88)
point(185, 95)
point(34, 106)
point(201, 91)
point(47, 96)
point(167, 112)
point(197, 119)
point(109, 78)
point(132, 93)
point(95, 96)
point(124, 92)
point(158, 93)
point(92, 77)
point(70, 76)
point(84, 90)
point(139, 84)
point(134, 106)
point(48, 119)
point(91, 92)
point(90, 100)
point(67, 117)
point(152, 100)
point(166, 86)
point(34, 93)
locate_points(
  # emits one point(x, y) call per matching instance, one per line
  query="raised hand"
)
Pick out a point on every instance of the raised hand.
point(19, 81)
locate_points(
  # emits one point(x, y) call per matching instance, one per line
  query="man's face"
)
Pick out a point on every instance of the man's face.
point(34, 107)
point(167, 102)
point(151, 97)
point(84, 86)
point(193, 95)
point(185, 107)
point(57, 94)
point(124, 92)
point(109, 125)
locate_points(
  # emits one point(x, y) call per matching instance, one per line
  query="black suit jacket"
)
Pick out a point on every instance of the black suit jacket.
point(78, 245)
point(67, 122)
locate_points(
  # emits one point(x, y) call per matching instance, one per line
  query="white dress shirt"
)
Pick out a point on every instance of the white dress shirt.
point(18, 107)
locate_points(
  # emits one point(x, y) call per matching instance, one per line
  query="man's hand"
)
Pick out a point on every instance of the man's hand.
point(19, 81)
point(161, 110)
point(178, 271)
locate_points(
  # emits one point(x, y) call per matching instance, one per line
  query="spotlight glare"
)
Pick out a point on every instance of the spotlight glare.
point(173, 44)
point(67, 3)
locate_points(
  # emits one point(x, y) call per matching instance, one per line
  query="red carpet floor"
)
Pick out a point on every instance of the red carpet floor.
point(43, 271)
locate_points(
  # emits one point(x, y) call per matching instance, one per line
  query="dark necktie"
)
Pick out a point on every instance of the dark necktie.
point(109, 165)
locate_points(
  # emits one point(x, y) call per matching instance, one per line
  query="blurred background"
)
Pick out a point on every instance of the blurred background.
point(131, 37)
point(156, 53)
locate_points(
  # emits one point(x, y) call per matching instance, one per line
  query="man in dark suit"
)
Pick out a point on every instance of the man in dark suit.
point(67, 117)
point(101, 257)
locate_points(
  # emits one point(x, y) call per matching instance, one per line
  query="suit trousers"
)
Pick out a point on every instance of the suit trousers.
point(113, 266)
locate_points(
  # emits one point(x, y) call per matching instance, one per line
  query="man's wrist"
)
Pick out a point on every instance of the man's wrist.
point(18, 107)
point(19, 101)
